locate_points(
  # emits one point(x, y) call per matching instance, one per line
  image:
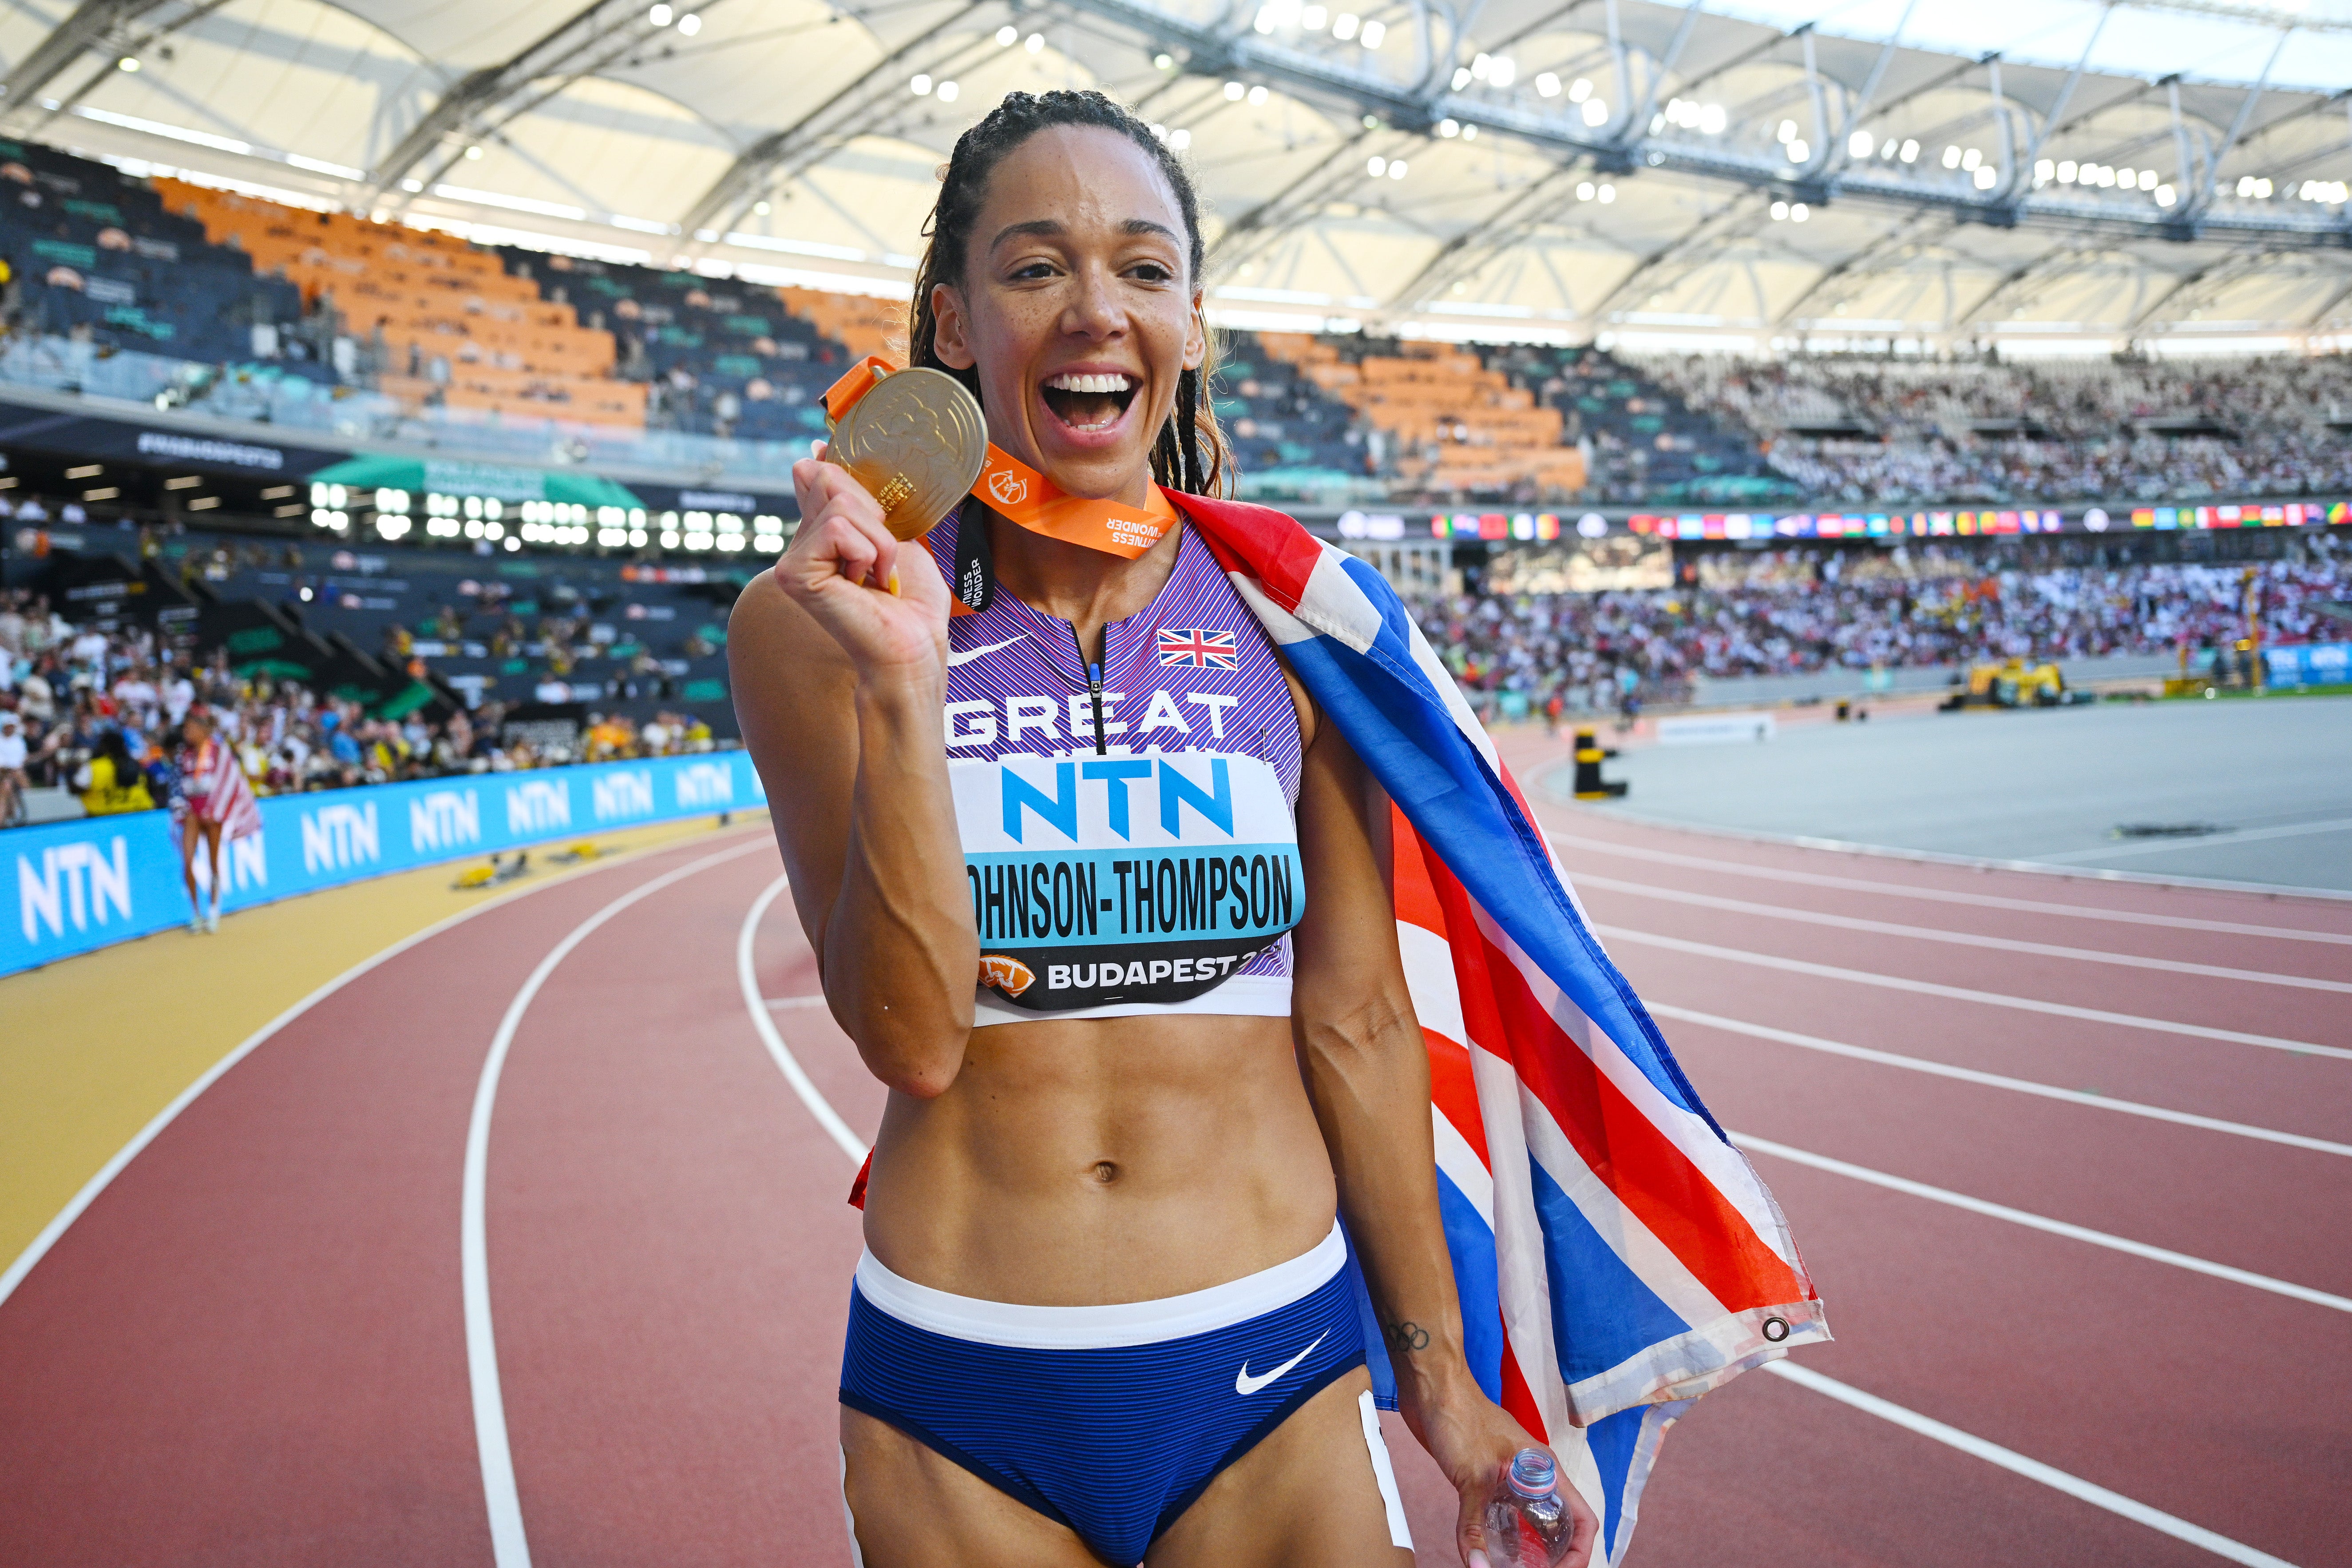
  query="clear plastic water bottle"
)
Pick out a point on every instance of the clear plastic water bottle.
point(1527, 1525)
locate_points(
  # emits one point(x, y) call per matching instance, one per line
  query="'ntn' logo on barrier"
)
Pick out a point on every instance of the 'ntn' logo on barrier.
point(76, 883)
point(445, 820)
point(86, 885)
point(623, 795)
point(538, 806)
point(340, 838)
point(704, 784)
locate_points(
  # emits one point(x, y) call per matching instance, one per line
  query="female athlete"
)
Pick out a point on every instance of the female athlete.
point(199, 814)
point(1106, 1313)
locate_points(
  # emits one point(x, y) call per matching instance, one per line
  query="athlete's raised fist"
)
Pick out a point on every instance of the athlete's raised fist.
point(885, 603)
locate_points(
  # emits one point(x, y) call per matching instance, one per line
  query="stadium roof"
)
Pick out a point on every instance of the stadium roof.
point(2065, 173)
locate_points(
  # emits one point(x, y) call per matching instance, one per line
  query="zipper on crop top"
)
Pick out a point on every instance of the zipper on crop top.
point(1095, 686)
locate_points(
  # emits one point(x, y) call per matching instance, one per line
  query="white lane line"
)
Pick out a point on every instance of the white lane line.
point(2031, 1469)
point(1949, 895)
point(786, 1063)
point(2043, 1223)
point(778, 1002)
point(508, 1547)
point(1962, 938)
point(40, 1247)
point(1961, 993)
point(2159, 846)
point(1998, 1081)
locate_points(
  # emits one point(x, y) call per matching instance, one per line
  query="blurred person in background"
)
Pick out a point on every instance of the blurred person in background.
point(111, 782)
point(12, 766)
point(179, 694)
point(212, 802)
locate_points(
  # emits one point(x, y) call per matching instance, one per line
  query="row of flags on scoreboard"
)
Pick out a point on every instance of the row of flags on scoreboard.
point(1544, 527)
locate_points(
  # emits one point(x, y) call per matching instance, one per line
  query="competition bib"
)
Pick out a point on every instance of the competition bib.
point(1124, 879)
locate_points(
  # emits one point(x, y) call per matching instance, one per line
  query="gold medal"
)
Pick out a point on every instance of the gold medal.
point(916, 440)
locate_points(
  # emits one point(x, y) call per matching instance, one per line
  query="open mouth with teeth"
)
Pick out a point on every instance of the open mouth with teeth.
point(1089, 403)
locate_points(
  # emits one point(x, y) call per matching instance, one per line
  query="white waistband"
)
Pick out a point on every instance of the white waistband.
point(1245, 996)
point(1120, 1323)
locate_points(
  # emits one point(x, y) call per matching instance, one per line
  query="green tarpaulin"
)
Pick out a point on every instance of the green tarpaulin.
point(442, 476)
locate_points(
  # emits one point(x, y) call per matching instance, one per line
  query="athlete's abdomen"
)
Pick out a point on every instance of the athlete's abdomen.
point(1081, 1161)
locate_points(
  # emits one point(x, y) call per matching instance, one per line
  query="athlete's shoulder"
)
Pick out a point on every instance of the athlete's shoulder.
point(1271, 546)
point(1214, 511)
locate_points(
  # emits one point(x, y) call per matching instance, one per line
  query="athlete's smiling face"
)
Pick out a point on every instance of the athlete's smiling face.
point(1077, 307)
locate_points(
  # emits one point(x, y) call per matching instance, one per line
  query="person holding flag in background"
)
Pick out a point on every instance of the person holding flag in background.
point(211, 801)
point(1251, 1063)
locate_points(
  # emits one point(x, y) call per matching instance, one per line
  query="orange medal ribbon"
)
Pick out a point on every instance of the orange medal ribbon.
point(1026, 497)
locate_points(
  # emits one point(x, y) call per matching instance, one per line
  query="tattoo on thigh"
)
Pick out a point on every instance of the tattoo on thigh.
point(1407, 1337)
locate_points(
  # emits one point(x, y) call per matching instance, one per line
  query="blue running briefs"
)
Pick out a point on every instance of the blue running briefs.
point(1111, 1419)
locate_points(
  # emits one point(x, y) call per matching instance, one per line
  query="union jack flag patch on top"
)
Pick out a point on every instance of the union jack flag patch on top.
point(1201, 650)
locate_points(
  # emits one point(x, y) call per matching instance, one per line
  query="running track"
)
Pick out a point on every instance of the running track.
point(528, 1213)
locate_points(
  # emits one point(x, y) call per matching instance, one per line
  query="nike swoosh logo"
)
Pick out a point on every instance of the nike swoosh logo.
point(969, 654)
point(1244, 1383)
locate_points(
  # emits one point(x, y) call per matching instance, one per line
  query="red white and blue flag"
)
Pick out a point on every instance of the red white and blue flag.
point(1617, 1257)
point(1202, 650)
point(226, 798)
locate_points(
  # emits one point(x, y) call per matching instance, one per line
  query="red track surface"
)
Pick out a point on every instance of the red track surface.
point(251, 1349)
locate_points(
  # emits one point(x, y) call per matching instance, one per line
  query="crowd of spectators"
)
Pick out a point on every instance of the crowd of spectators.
point(98, 712)
point(1792, 611)
point(1892, 432)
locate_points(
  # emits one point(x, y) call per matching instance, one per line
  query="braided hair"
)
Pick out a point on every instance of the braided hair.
point(1191, 454)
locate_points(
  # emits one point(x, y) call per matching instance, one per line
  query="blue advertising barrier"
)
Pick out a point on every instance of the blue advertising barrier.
point(87, 884)
point(2310, 664)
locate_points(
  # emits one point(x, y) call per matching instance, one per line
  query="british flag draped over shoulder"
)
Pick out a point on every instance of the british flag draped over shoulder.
point(1616, 1256)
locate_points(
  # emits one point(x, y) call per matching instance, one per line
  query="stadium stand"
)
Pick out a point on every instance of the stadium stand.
point(435, 324)
point(438, 323)
point(99, 254)
point(1643, 443)
point(73, 682)
point(1797, 610)
point(1520, 423)
point(505, 629)
point(443, 323)
point(1288, 437)
point(1898, 431)
point(864, 324)
point(1451, 428)
point(397, 641)
point(710, 357)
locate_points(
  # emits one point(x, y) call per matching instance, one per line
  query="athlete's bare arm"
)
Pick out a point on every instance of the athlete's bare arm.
point(839, 684)
point(1367, 1071)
